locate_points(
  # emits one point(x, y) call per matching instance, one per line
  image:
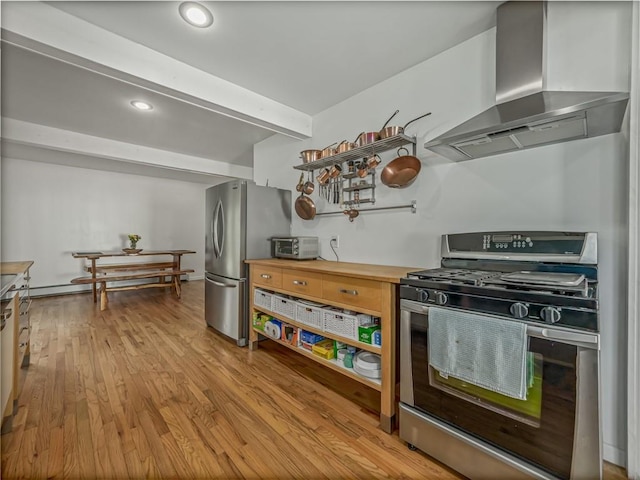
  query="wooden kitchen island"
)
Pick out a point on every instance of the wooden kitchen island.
point(353, 287)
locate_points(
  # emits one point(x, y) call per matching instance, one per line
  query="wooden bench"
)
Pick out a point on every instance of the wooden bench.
point(133, 271)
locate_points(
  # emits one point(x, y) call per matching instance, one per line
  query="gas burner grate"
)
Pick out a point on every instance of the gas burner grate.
point(456, 275)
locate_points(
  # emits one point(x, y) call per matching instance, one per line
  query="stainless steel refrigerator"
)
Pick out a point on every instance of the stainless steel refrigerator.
point(241, 217)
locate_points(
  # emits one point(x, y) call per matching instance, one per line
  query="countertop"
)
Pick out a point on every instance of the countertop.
point(9, 272)
point(383, 273)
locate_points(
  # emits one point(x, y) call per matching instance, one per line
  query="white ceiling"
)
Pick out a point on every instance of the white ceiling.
point(294, 58)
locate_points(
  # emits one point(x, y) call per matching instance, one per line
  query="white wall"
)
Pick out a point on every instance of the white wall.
point(579, 186)
point(48, 211)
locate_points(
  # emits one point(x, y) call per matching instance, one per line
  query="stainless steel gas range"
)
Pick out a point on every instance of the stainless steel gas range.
point(499, 352)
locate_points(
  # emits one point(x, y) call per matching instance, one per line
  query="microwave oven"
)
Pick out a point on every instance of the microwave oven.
point(297, 248)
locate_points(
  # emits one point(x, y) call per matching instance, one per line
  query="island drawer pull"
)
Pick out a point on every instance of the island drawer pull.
point(265, 275)
point(300, 282)
point(348, 292)
point(5, 315)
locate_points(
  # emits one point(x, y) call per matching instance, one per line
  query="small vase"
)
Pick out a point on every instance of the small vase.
point(133, 245)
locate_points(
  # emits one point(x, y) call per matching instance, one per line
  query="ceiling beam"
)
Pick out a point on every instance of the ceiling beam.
point(52, 32)
point(57, 140)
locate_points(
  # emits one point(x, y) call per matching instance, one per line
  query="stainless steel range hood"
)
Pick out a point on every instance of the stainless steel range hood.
point(526, 116)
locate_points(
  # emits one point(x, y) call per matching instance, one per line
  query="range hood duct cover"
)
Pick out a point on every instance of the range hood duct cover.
point(525, 115)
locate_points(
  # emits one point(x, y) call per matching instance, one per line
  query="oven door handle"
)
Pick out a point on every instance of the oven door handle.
point(588, 340)
point(415, 307)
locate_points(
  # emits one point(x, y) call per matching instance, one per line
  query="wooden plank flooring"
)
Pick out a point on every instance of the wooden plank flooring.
point(145, 390)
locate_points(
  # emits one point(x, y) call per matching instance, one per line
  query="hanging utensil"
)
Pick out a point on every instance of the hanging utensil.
point(308, 186)
point(299, 185)
point(387, 132)
point(402, 171)
point(305, 208)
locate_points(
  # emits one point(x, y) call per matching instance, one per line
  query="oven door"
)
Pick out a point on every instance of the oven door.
point(556, 428)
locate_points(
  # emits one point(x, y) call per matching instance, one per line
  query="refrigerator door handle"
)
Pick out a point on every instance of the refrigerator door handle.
point(218, 218)
point(219, 284)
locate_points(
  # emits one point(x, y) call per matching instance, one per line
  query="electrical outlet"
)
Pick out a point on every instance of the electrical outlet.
point(335, 240)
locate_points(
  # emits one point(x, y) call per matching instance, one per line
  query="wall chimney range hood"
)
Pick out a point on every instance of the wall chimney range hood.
point(525, 115)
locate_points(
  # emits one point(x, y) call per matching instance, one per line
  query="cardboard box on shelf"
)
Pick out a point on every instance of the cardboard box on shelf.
point(259, 319)
point(324, 349)
point(290, 334)
point(365, 333)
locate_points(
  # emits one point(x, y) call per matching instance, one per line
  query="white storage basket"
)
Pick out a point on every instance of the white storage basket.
point(310, 315)
point(263, 299)
point(341, 324)
point(284, 306)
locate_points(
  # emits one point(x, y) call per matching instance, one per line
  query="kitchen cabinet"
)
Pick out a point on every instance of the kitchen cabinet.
point(16, 331)
point(361, 288)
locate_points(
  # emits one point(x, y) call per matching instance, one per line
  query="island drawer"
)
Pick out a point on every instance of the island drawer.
point(267, 276)
point(306, 283)
point(352, 291)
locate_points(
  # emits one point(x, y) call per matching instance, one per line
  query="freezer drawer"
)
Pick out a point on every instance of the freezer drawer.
point(225, 307)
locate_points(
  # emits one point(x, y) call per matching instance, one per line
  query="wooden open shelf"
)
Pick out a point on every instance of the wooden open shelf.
point(332, 364)
point(356, 343)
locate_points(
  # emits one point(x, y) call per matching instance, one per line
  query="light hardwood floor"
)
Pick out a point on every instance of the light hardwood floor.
point(145, 390)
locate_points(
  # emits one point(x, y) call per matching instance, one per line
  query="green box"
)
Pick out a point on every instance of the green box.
point(259, 319)
point(337, 346)
point(365, 333)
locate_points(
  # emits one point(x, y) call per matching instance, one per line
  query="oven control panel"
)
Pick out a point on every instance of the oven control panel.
point(520, 310)
point(575, 247)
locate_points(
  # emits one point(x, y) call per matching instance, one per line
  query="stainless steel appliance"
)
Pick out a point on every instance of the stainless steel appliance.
point(241, 217)
point(297, 248)
point(525, 114)
point(546, 281)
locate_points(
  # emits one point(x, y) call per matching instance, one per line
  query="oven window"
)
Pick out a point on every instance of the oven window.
point(527, 411)
point(284, 248)
point(539, 430)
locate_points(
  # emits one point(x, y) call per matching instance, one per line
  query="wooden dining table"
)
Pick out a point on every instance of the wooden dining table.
point(132, 270)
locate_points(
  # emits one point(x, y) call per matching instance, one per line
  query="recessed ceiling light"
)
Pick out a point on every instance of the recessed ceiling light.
point(196, 14)
point(140, 105)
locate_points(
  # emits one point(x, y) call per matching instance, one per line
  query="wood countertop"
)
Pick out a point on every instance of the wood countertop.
point(383, 273)
point(15, 268)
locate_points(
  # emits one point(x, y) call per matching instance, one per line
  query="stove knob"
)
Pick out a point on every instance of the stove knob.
point(441, 298)
point(550, 314)
point(423, 295)
point(519, 310)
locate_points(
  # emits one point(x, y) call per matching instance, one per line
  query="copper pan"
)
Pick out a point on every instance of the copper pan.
point(388, 132)
point(305, 208)
point(402, 171)
point(328, 151)
point(345, 146)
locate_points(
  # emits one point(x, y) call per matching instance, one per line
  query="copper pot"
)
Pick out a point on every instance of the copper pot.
point(373, 161)
point(308, 187)
point(310, 155)
point(335, 170)
point(345, 146)
point(366, 138)
point(323, 177)
point(328, 151)
point(402, 171)
point(387, 132)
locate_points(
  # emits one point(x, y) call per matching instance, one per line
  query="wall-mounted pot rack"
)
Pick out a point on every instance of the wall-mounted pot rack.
point(413, 206)
point(368, 150)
